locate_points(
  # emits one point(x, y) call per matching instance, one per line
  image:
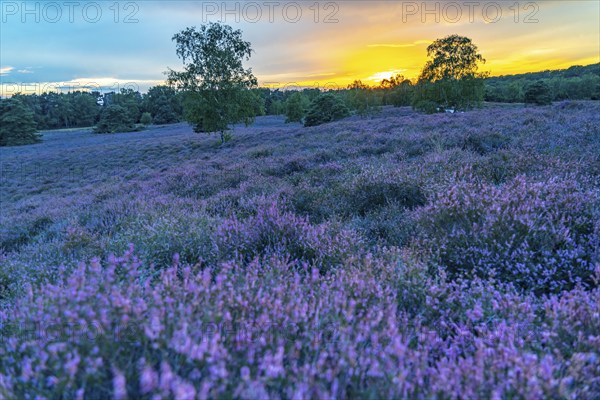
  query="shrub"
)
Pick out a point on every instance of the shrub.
point(268, 330)
point(146, 118)
point(541, 236)
point(17, 124)
point(158, 236)
point(426, 106)
point(498, 167)
point(538, 93)
point(375, 188)
point(115, 118)
point(326, 108)
point(275, 232)
point(389, 225)
point(483, 142)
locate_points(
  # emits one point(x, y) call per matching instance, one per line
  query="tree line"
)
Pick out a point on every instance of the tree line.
point(215, 90)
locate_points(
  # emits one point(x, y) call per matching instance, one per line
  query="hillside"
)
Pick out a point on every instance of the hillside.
point(576, 82)
point(402, 255)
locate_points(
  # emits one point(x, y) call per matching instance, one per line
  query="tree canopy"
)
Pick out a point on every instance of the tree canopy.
point(453, 57)
point(216, 84)
point(450, 78)
point(17, 125)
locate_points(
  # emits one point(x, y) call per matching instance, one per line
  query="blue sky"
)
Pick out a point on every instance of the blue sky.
point(45, 44)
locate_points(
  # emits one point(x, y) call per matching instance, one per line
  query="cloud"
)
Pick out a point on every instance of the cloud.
point(25, 71)
point(102, 84)
point(396, 45)
point(5, 70)
point(379, 76)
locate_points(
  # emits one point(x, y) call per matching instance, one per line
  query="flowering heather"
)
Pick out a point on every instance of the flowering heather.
point(400, 256)
point(268, 329)
point(274, 232)
point(544, 236)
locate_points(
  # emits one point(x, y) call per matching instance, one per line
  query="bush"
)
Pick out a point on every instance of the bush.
point(115, 118)
point(267, 330)
point(538, 93)
point(275, 232)
point(158, 236)
point(483, 142)
point(326, 108)
point(146, 118)
point(426, 106)
point(17, 124)
point(374, 189)
point(541, 236)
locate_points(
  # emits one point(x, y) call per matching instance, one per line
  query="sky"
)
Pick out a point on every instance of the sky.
point(66, 45)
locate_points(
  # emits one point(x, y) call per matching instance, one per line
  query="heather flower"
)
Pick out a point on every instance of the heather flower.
point(119, 385)
point(474, 275)
point(148, 379)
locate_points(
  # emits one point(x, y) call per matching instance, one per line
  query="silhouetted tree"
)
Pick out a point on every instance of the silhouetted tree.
point(450, 77)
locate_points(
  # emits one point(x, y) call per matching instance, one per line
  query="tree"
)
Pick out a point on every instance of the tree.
point(115, 118)
point(397, 91)
point(164, 104)
point(361, 98)
point(131, 101)
point(450, 77)
point(85, 108)
point(146, 118)
point(295, 107)
point(17, 125)
point(538, 93)
point(325, 108)
point(216, 84)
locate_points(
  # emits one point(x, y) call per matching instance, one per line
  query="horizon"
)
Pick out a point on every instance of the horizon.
point(328, 46)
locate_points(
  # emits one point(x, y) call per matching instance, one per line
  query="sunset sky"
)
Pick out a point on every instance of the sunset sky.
point(90, 43)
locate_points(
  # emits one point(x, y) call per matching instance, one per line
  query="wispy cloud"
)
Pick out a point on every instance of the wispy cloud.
point(5, 70)
point(400, 45)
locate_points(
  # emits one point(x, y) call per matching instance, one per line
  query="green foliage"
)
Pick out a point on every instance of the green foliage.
point(17, 125)
point(164, 104)
point(362, 98)
point(295, 107)
point(146, 118)
point(538, 93)
point(451, 58)
point(131, 101)
point(239, 106)
point(450, 77)
point(277, 107)
point(85, 109)
point(115, 118)
point(574, 83)
point(326, 108)
point(426, 106)
point(62, 110)
point(216, 84)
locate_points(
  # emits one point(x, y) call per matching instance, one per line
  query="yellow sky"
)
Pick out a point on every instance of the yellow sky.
point(346, 40)
point(375, 40)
